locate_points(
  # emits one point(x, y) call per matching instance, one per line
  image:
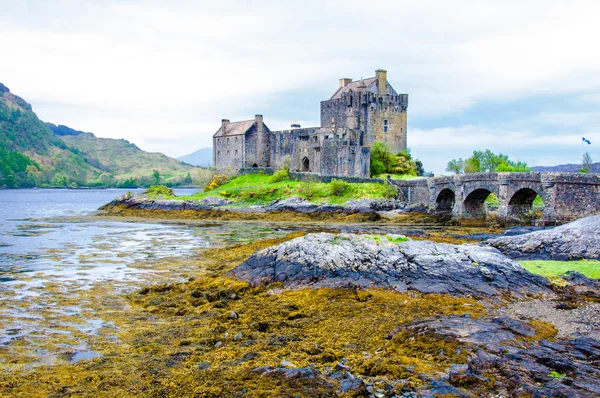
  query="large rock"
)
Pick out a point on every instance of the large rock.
point(573, 241)
point(300, 205)
point(328, 260)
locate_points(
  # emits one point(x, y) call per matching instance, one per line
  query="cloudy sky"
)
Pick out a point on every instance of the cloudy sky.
point(518, 77)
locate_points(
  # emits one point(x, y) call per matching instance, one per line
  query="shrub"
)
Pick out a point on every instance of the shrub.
point(338, 187)
point(216, 182)
point(159, 190)
point(391, 191)
point(279, 175)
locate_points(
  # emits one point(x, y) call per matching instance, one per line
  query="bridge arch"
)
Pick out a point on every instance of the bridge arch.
point(445, 200)
point(521, 201)
point(474, 203)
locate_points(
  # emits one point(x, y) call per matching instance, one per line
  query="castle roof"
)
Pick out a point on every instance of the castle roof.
point(235, 128)
point(370, 83)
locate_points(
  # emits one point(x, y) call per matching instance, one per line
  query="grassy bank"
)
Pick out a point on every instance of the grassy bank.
point(549, 268)
point(261, 189)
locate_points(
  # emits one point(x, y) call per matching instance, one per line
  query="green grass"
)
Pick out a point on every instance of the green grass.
point(256, 189)
point(547, 268)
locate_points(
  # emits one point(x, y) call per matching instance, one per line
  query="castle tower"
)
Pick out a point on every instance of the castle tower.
point(373, 106)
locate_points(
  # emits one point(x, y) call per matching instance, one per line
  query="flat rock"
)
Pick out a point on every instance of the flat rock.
point(348, 260)
point(300, 205)
point(573, 241)
point(215, 201)
point(469, 330)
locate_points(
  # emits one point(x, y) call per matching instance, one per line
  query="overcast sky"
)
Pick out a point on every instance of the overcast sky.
point(522, 77)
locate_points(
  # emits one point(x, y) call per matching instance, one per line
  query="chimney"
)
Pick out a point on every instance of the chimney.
point(381, 82)
point(224, 125)
point(345, 81)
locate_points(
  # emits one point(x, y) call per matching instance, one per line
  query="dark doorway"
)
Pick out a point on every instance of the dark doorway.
point(305, 164)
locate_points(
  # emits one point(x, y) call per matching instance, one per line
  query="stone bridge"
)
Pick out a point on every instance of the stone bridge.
point(566, 196)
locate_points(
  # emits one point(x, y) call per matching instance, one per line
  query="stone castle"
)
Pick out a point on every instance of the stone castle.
point(357, 114)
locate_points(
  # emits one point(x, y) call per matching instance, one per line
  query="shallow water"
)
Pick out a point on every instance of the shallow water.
point(55, 253)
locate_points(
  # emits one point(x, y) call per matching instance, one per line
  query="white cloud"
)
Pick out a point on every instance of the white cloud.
point(149, 71)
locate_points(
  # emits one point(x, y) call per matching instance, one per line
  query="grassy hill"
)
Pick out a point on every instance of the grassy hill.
point(32, 154)
point(125, 160)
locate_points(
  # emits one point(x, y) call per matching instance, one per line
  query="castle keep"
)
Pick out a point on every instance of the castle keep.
point(357, 114)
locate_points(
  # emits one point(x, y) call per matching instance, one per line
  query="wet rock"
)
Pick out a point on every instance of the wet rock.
point(370, 205)
point(215, 201)
point(345, 260)
point(287, 364)
point(468, 330)
point(233, 315)
point(573, 241)
point(292, 204)
point(204, 365)
point(541, 369)
point(578, 279)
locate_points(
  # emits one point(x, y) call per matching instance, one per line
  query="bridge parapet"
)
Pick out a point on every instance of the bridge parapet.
point(566, 196)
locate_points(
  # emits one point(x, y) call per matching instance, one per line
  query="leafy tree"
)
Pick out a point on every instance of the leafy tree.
point(187, 180)
point(587, 163)
point(456, 166)
point(59, 180)
point(383, 161)
point(486, 161)
point(155, 177)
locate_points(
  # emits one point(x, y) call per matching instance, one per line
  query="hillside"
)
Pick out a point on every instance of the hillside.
point(201, 158)
point(568, 168)
point(32, 154)
point(125, 160)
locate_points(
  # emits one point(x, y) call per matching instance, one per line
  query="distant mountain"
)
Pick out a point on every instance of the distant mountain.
point(33, 153)
point(564, 168)
point(201, 158)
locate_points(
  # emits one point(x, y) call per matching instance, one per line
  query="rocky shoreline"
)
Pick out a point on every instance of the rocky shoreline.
point(294, 208)
point(509, 355)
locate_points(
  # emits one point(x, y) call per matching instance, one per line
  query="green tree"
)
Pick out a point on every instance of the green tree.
point(587, 163)
point(456, 166)
point(383, 161)
point(486, 161)
point(155, 177)
point(59, 180)
point(187, 180)
point(106, 180)
point(33, 175)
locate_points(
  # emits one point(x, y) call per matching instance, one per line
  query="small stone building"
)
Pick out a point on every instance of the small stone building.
point(357, 114)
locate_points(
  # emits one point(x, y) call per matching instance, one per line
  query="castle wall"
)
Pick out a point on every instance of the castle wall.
point(228, 152)
point(373, 112)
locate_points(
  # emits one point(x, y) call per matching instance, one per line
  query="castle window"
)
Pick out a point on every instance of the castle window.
point(227, 141)
point(385, 126)
point(236, 152)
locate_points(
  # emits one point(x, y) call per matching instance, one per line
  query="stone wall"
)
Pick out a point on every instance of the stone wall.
point(228, 152)
point(414, 191)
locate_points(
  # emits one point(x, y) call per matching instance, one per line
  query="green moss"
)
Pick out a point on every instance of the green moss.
point(159, 191)
point(549, 268)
